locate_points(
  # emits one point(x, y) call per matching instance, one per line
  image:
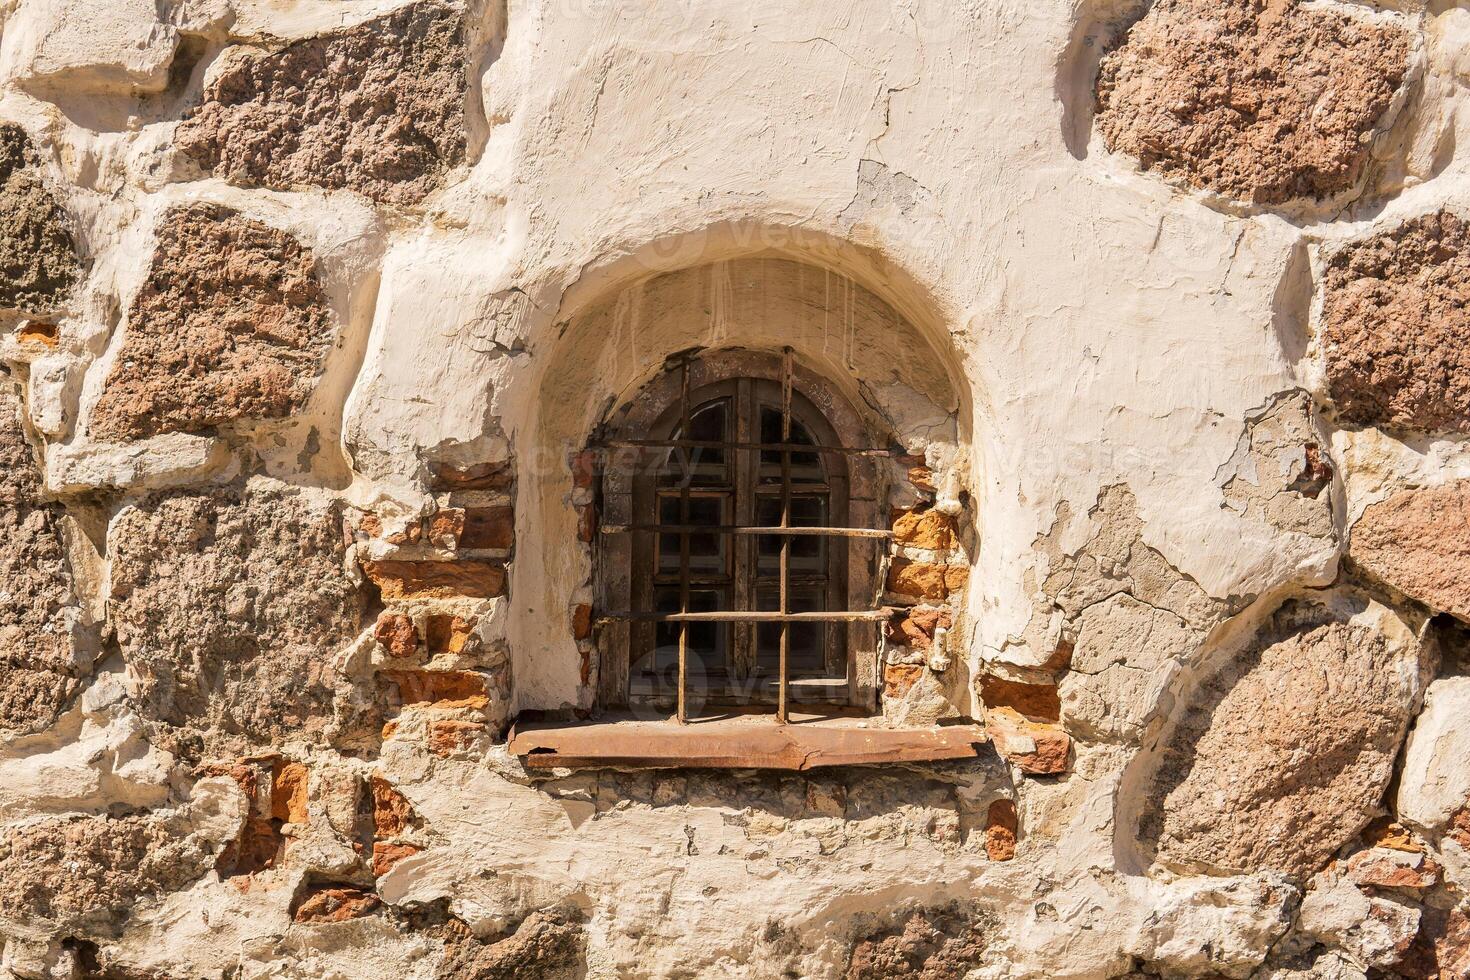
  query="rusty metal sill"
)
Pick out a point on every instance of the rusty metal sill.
point(738, 742)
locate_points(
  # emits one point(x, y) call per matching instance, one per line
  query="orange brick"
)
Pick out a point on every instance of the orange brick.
point(1038, 702)
point(386, 855)
point(446, 527)
point(38, 333)
point(335, 903)
point(396, 632)
point(929, 529)
point(441, 688)
point(1000, 830)
point(437, 579)
point(392, 813)
point(446, 737)
point(1034, 748)
point(924, 580)
point(289, 792)
point(899, 679)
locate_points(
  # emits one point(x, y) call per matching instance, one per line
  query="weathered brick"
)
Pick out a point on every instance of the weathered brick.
point(441, 688)
point(1038, 702)
point(498, 475)
point(899, 679)
point(446, 527)
point(448, 737)
point(929, 529)
point(392, 813)
point(335, 903)
point(581, 621)
point(437, 579)
point(1034, 748)
point(289, 792)
point(446, 633)
point(385, 855)
point(925, 580)
point(1001, 824)
point(397, 634)
point(488, 527)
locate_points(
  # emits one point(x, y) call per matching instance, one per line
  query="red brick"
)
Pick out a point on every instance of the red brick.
point(489, 527)
point(397, 634)
point(586, 523)
point(584, 469)
point(437, 579)
point(581, 621)
point(1036, 749)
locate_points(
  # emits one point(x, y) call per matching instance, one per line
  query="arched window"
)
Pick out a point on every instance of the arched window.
point(709, 465)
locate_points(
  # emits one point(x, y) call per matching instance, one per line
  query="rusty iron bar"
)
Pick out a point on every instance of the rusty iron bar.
point(839, 532)
point(752, 616)
point(770, 447)
point(781, 715)
point(685, 478)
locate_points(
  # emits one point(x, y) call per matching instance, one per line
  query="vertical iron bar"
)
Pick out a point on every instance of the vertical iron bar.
point(687, 477)
point(782, 715)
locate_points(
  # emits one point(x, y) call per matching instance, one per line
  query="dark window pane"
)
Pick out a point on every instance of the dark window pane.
point(709, 643)
point(806, 655)
point(707, 551)
point(704, 466)
point(804, 466)
point(808, 552)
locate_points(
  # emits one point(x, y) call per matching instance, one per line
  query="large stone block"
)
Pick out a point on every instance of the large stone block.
point(229, 605)
point(232, 323)
point(44, 643)
point(1435, 783)
point(1283, 754)
point(377, 108)
point(38, 260)
point(1418, 541)
point(1264, 101)
point(1394, 321)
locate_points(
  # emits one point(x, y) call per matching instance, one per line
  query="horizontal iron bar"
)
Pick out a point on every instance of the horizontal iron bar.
point(770, 447)
point(850, 616)
point(795, 532)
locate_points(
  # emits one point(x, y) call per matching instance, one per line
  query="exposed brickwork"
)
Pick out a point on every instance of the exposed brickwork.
point(1001, 824)
point(437, 579)
point(335, 903)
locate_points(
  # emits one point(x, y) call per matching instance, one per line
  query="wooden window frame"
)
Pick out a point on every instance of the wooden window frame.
point(634, 447)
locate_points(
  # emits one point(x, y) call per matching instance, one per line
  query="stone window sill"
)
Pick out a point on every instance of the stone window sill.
point(736, 742)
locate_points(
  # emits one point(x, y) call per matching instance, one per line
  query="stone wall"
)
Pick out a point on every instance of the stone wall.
point(310, 314)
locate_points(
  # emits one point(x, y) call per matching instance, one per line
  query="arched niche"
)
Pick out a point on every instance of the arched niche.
point(897, 379)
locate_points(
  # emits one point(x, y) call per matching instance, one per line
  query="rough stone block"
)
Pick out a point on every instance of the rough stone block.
point(45, 647)
point(1418, 541)
point(231, 324)
point(228, 604)
point(38, 259)
point(1264, 101)
point(1395, 312)
point(1284, 753)
point(1435, 781)
point(378, 107)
